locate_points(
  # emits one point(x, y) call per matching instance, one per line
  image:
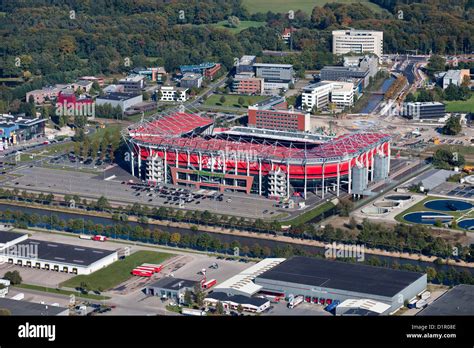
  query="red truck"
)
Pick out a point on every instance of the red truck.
point(156, 268)
point(142, 273)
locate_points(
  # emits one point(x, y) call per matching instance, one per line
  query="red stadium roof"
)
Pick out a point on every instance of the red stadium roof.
point(166, 131)
point(171, 125)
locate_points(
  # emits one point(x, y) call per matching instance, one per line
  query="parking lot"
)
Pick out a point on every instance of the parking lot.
point(93, 186)
point(36, 276)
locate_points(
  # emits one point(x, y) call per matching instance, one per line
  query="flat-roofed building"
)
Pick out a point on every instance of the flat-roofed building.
point(456, 301)
point(320, 94)
point(245, 64)
point(358, 41)
point(423, 110)
point(191, 80)
point(133, 83)
point(275, 76)
point(173, 94)
point(25, 308)
point(124, 100)
point(455, 77)
point(247, 83)
point(170, 287)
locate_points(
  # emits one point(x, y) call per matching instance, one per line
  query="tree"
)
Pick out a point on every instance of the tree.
point(102, 203)
point(219, 308)
point(175, 238)
point(452, 126)
point(344, 207)
point(222, 100)
point(240, 309)
point(14, 277)
point(233, 21)
point(410, 98)
point(5, 311)
point(241, 101)
point(199, 295)
point(188, 297)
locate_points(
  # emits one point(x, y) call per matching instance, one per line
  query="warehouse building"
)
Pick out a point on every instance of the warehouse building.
point(457, 301)
point(170, 287)
point(24, 308)
point(231, 302)
point(124, 100)
point(319, 280)
point(8, 239)
point(59, 257)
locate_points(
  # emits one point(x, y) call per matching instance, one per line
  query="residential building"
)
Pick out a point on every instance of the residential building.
point(320, 94)
point(276, 76)
point(245, 64)
point(270, 115)
point(247, 83)
point(455, 77)
point(99, 80)
point(208, 70)
point(176, 94)
point(423, 110)
point(67, 104)
point(82, 85)
point(124, 100)
point(191, 80)
point(43, 94)
point(286, 34)
point(133, 83)
point(358, 41)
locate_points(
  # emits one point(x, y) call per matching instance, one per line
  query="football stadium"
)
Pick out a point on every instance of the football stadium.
point(182, 148)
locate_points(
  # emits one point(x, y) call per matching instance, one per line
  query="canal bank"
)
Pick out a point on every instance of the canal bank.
point(248, 239)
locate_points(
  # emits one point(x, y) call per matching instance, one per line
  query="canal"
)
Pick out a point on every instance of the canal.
point(226, 238)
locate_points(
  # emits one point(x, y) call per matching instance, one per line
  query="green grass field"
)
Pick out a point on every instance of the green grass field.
point(61, 292)
point(280, 6)
point(461, 105)
point(309, 215)
point(116, 273)
point(243, 25)
point(231, 100)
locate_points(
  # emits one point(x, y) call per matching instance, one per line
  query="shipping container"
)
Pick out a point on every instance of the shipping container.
point(145, 268)
point(209, 284)
point(157, 268)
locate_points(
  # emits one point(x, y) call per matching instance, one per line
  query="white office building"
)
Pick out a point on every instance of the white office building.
point(173, 94)
point(357, 41)
point(320, 94)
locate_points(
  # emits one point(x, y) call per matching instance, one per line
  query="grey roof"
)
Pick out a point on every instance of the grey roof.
point(240, 299)
point(7, 236)
point(62, 253)
point(118, 96)
point(457, 301)
point(171, 283)
point(340, 275)
point(29, 308)
point(433, 178)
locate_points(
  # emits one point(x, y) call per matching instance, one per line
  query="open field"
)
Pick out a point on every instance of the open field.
point(232, 100)
point(61, 292)
point(263, 6)
point(309, 215)
point(116, 273)
point(461, 105)
point(243, 25)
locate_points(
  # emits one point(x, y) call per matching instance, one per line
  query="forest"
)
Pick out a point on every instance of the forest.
point(53, 41)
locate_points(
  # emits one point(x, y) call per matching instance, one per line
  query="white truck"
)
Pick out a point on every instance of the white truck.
point(296, 301)
point(426, 295)
point(421, 304)
point(195, 312)
point(85, 236)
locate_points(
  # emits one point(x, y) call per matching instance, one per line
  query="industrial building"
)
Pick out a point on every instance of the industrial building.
point(133, 83)
point(319, 280)
point(170, 287)
point(231, 302)
point(456, 301)
point(272, 114)
point(24, 308)
point(124, 100)
point(355, 67)
point(54, 256)
point(14, 129)
point(423, 110)
point(358, 41)
point(183, 149)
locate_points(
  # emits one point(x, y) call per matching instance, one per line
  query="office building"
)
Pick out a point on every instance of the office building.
point(133, 83)
point(423, 110)
point(124, 100)
point(357, 41)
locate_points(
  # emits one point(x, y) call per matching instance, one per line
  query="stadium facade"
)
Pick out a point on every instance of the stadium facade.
point(184, 149)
